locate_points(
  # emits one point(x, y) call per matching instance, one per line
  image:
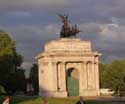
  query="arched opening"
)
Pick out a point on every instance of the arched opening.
point(72, 82)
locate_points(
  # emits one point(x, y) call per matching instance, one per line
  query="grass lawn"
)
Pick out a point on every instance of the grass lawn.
point(38, 100)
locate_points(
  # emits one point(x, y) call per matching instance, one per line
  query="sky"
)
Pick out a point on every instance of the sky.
point(32, 23)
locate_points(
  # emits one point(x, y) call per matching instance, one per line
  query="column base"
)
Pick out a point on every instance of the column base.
point(53, 93)
point(90, 92)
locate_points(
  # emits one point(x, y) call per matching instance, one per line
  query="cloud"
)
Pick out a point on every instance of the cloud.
point(112, 41)
point(98, 10)
point(30, 39)
point(109, 39)
point(106, 38)
point(101, 21)
point(90, 27)
point(19, 13)
point(110, 8)
point(113, 32)
point(5, 4)
point(104, 31)
point(26, 65)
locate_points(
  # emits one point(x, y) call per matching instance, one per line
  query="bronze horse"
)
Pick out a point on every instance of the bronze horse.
point(67, 31)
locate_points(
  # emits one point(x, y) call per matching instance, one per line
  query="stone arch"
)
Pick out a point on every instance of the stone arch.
point(60, 55)
point(72, 81)
point(73, 72)
point(89, 65)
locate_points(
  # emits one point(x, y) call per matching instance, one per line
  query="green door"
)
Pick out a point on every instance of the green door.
point(72, 86)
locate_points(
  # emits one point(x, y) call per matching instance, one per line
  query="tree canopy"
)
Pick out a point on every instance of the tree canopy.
point(6, 45)
point(113, 75)
point(10, 60)
point(34, 77)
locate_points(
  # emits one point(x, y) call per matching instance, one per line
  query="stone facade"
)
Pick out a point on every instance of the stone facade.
point(61, 55)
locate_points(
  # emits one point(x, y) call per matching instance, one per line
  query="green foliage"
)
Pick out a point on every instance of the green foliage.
point(116, 76)
point(10, 60)
point(6, 55)
point(17, 81)
point(113, 75)
point(34, 77)
point(102, 74)
point(2, 90)
point(6, 45)
point(34, 71)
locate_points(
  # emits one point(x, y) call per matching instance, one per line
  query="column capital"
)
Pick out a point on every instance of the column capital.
point(96, 62)
point(53, 62)
point(84, 62)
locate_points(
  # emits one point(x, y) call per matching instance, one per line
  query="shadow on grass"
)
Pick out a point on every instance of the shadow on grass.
point(74, 100)
point(38, 100)
point(18, 99)
point(105, 102)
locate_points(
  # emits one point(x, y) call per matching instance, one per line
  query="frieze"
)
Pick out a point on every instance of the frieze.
point(45, 63)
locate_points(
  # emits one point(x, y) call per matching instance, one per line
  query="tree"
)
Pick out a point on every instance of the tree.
point(114, 76)
point(10, 60)
point(102, 74)
point(17, 81)
point(6, 45)
point(34, 77)
point(6, 56)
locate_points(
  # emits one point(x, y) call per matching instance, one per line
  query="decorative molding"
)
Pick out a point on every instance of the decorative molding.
point(45, 63)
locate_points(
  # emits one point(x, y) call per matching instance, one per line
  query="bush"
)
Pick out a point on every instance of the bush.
point(2, 90)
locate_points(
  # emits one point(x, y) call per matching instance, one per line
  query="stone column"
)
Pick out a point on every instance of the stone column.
point(85, 75)
point(54, 75)
point(43, 78)
point(39, 75)
point(82, 78)
point(61, 80)
point(89, 74)
point(93, 76)
point(97, 77)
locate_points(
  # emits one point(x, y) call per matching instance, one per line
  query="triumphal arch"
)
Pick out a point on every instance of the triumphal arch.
point(68, 66)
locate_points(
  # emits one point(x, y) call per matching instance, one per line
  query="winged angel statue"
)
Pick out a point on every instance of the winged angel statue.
point(66, 30)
